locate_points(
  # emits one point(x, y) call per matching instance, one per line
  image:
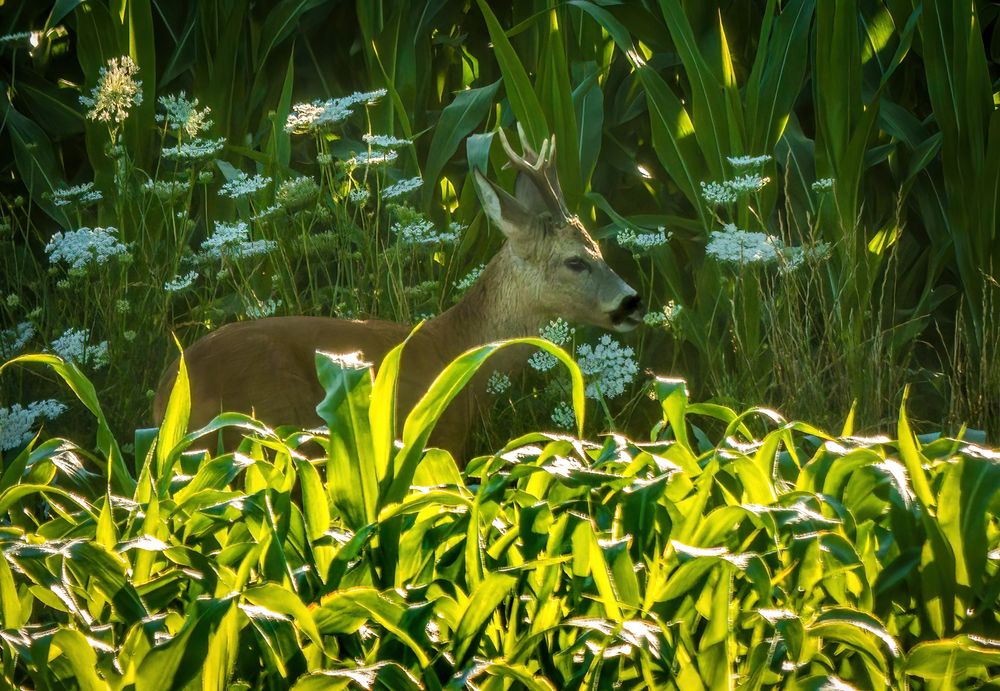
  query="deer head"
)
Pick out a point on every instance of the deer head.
point(559, 264)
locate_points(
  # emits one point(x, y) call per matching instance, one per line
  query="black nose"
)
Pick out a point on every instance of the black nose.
point(626, 309)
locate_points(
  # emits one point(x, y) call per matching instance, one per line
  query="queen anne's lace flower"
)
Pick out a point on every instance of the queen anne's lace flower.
point(232, 241)
point(359, 196)
point(823, 185)
point(751, 182)
point(179, 283)
point(717, 193)
point(747, 162)
point(296, 193)
point(498, 383)
point(563, 416)
point(167, 190)
point(243, 185)
point(374, 158)
point(194, 150)
point(470, 278)
point(320, 116)
point(116, 93)
point(639, 243)
point(402, 187)
point(608, 367)
point(182, 115)
point(80, 248)
point(422, 232)
point(259, 310)
point(734, 246)
point(664, 317)
point(75, 346)
point(78, 195)
point(18, 422)
point(558, 332)
point(13, 340)
point(385, 141)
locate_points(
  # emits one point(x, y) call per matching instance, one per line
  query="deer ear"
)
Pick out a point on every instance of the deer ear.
point(531, 197)
point(506, 212)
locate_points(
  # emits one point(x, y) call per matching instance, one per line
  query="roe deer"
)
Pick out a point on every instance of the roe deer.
point(548, 267)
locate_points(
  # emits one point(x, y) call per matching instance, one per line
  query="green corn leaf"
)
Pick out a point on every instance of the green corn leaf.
point(952, 660)
point(175, 418)
point(458, 119)
point(523, 100)
point(483, 602)
point(278, 599)
point(351, 470)
point(79, 654)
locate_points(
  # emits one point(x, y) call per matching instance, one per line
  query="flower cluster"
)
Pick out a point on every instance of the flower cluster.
point(179, 283)
point(466, 282)
point(359, 195)
point(608, 367)
point(320, 116)
point(373, 158)
point(402, 187)
point(232, 241)
point(12, 340)
point(663, 317)
point(167, 190)
point(194, 150)
point(423, 232)
point(823, 185)
point(748, 162)
point(384, 141)
point(498, 383)
point(85, 246)
point(558, 332)
point(793, 258)
point(563, 415)
point(728, 191)
point(639, 243)
point(78, 195)
point(116, 93)
point(182, 115)
point(243, 185)
point(734, 246)
point(74, 346)
point(17, 422)
point(296, 193)
point(259, 310)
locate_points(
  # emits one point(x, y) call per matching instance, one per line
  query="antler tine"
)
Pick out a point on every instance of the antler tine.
point(519, 161)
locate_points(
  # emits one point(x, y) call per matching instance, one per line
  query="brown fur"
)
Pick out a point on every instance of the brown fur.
point(267, 366)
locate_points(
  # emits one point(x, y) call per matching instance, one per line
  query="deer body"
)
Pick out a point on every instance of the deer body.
point(549, 267)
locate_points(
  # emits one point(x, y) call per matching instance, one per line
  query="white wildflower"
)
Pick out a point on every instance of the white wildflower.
point(423, 232)
point(470, 278)
point(80, 248)
point(734, 246)
point(563, 416)
point(639, 243)
point(74, 346)
point(167, 190)
point(18, 422)
point(823, 185)
point(244, 185)
point(13, 340)
point(320, 116)
point(359, 195)
point(402, 187)
point(717, 194)
point(498, 383)
point(747, 162)
point(373, 158)
point(751, 182)
point(259, 310)
point(324, 159)
point(558, 332)
point(608, 367)
point(266, 212)
point(385, 141)
point(232, 241)
point(194, 150)
point(78, 195)
point(18, 37)
point(116, 93)
point(663, 317)
point(792, 258)
point(183, 115)
point(179, 283)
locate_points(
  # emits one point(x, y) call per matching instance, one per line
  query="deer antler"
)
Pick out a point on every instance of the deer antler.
point(541, 171)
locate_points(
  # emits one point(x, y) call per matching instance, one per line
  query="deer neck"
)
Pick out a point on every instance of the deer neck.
point(498, 306)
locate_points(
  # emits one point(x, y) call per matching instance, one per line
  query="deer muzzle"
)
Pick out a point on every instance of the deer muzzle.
point(628, 314)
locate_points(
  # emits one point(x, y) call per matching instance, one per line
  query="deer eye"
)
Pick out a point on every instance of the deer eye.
point(576, 264)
